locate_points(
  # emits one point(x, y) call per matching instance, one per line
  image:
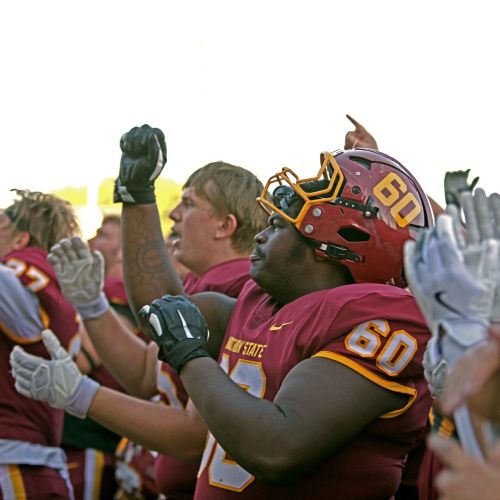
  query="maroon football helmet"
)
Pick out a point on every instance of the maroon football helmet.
point(360, 209)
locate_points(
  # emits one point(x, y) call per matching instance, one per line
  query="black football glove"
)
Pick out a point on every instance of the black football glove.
point(455, 183)
point(179, 329)
point(144, 153)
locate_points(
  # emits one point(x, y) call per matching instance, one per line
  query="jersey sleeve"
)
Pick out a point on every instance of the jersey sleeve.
point(36, 277)
point(386, 349)
point(19, 309)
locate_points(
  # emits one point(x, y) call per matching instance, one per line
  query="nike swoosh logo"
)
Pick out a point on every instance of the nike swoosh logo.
point(438, 295)
point(276, 327)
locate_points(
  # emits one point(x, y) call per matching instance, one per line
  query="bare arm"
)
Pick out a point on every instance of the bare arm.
point(175, 432)
point(133, 362)
point(359, 137)
point(300, 428)
point(130, 360)
point(147, 269)
point(216, 309)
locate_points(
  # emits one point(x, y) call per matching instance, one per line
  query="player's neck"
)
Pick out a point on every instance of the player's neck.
point(323, 276)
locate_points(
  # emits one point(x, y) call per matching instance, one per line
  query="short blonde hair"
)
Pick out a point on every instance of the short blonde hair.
point(112, 219)
point(45, 217)
point(232, 190)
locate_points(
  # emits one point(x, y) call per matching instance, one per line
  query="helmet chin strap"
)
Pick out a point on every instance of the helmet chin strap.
point(337, 252)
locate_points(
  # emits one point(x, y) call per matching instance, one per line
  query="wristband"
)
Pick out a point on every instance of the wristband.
point(133, 195)
point(81, 400)
point(94, 308)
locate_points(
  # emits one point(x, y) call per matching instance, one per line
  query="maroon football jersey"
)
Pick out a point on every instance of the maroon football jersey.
point(431, 464)
point(376, 330)
point(114, 289)
point(22, 418)
point(227, 278)
point(176, 478)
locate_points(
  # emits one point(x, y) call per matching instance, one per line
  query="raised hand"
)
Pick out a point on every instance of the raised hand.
point(455, 183)
point(456, 300)
point(144, 154)
point(359, 137)
point(179, 329)
point(482, 219)
point(80, 273)
point(57, 381)
point(450, 294)
point(451, 297)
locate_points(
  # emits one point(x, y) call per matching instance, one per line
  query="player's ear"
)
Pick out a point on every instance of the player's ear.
point(226, 226)
point(21, 240)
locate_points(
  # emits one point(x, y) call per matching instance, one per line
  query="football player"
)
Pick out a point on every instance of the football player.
point(90, 448)
point(320, 380)
point(32, 465)
point(214, 223)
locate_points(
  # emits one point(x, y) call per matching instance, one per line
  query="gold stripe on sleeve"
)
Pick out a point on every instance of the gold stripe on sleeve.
point(376, 379)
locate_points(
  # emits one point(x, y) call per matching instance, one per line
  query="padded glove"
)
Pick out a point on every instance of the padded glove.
point(144, 154)
point(179, 329)
point(80, 273)
point(456, 299)
point(482, 218)
point(56, 381)
point(455, 183)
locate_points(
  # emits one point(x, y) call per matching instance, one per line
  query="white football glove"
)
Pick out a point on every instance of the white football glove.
point(451, 294)
point(483, 223)
point(482, 218)
point(435, 368)
point(456, 299)
point(80, 273)
point(56, 381)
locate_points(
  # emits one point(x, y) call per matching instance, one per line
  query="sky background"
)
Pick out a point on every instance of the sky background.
point(261, 84)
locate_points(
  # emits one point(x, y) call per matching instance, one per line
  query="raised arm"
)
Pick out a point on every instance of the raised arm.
point(58, 382)
point(80, 273)
point(359, 137)
point(131, 361)
point(454, 281)
point(147, 269)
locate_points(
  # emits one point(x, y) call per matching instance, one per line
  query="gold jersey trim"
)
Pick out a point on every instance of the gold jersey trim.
point(373, 377)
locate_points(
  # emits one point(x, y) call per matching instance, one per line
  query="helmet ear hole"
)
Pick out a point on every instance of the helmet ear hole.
point(364, 162)
point(353, 234)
